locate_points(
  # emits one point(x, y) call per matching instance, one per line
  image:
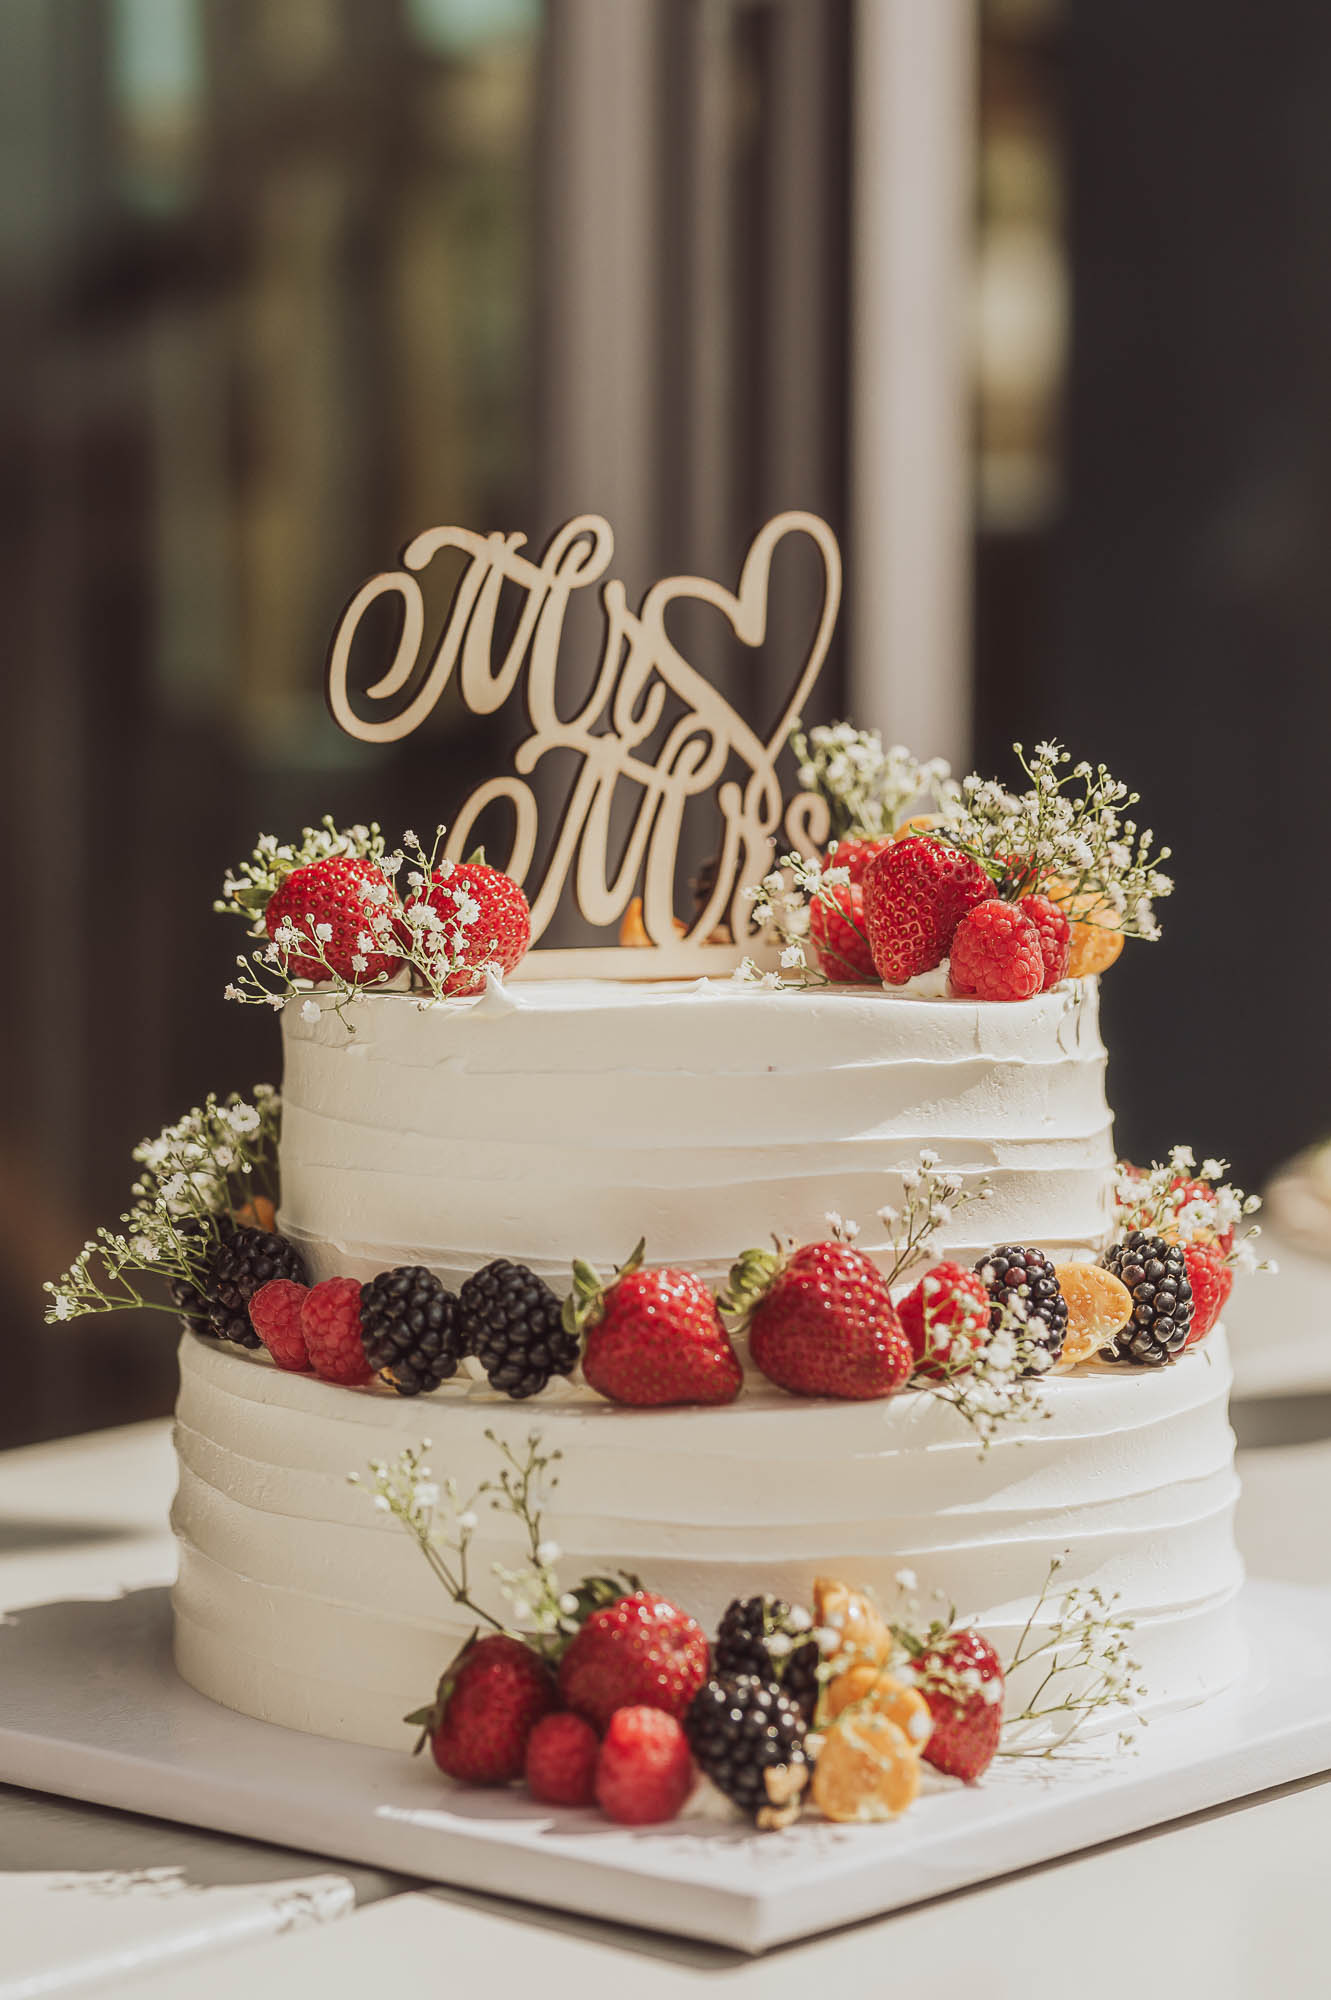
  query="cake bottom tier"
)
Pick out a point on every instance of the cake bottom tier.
point(299, 1603)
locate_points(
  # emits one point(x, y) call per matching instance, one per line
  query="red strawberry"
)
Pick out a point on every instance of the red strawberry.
point(1055, 935)
point(644, 1773)
point(488, 1703)
point(1212, 1281)
point(561, 1761)
point(962, 1680)
point(855, 855)
point(915, 894)
point(652, 1336)
point(640, 1650)
point(330, 1326)
point(822, 1323)
point(486, 920)
point(836, 928)
point(275, 1313)
point(945, 1319)
point(996, 954)
point(329, 894)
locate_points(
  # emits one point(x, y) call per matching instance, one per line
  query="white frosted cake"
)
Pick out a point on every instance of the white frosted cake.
point(560, 1118)
point(298, 1604)
point(811, 1397)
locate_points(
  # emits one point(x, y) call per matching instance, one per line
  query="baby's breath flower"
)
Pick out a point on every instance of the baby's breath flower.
point(869, 790)
point(192, 1175)
point(783, 904)
point(1081, 1649)
point(1166, 1199)
point(931, 1197)
point(1066, 835)
point(543, 1613)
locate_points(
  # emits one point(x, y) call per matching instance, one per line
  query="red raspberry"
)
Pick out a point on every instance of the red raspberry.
point(275, 1312)
point(1055, 934)
point(996, 954)
point(836, 928)
point(328, 893)
point(945, 1319)
point(641, 1649)
point(1212, 1281)
point(644, 1773)
point(330, 1323)
point(855, 856)
point(915, 894)
point(561, 1761)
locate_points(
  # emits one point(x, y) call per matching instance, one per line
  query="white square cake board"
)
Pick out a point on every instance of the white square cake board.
point(91, 1707)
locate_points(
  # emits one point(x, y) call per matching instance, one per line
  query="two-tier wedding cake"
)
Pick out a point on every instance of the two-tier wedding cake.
point(755, 1283)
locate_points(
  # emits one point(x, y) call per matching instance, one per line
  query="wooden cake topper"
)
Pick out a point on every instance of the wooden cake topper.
point(640, 670)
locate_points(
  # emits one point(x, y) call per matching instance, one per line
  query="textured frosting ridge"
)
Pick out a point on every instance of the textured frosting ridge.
point(297, 1602)
point(572, 1117)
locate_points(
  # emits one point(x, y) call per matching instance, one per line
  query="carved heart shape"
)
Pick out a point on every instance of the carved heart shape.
point(745, 611)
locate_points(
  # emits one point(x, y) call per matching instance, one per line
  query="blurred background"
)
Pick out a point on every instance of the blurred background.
point(1029, 298)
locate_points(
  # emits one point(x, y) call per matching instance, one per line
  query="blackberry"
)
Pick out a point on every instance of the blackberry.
point(747, 1736)
point(511, 1323)
point(1011, 1273)
point(244, 1260)
point(412, 1329)
point(743, 1646)
point(190, 1300)
point(1156, 1274)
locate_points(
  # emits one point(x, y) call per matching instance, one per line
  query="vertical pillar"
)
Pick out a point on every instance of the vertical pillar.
point(912, 206)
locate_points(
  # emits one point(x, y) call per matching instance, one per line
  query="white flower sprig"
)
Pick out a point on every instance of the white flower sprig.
point(1083, 1644)
point(995, 1378)
point(211, 1162)
point(782, 912)
point(1167, 1197)
point(443, 1525)
point(869, 790)
point(992, 1373)
point(1067, 834)
point(930, 1199)
point(432, 931)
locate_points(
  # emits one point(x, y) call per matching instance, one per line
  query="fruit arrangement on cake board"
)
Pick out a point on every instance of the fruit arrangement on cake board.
point(846, 1547)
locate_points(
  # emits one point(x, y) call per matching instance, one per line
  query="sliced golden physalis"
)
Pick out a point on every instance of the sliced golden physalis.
point(1099, 1306)
point(867, 1768)
point(856, 1618)
point(1096, 936)
point(870, 1687)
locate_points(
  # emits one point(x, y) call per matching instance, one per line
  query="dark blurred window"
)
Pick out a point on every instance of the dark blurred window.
point(283, 282)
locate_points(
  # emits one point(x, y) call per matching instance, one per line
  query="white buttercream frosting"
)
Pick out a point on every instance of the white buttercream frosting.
point(552, 1119)
point(299, 1603)
point(560, 1118)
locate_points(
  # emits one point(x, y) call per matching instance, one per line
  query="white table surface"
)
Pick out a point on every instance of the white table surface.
point(1234, 1901)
